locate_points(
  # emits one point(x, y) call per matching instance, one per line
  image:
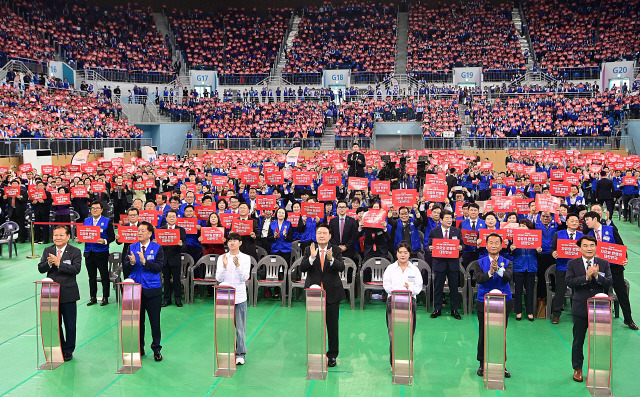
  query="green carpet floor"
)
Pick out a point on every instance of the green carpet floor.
point(444, 351)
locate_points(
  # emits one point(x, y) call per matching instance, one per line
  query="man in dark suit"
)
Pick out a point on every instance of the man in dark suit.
point(41, 210)
point(344, 231)
point(118, 194)
point(62, 263)
point(132, 217)
point(586, 276)
point(173, 262)
point(445, 267)
point(604, 191)
point(356, 162)
point(144, 263)
point(323, 265)
point(249, 241)
point(96, 255)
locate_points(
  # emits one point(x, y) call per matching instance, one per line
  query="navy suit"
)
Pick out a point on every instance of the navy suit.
point(445, 268)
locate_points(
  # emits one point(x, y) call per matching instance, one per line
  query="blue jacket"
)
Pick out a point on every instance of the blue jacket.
point(415, 235)
point(281, 244)
point(466, 225)
point(561, 263)
point(105, 225)
point(495, 282)
point(525, 260)
point(149, 274)
point(547, 236)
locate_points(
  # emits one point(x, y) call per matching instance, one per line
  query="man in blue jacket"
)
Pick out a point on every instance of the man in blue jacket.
point(96, 255)
point(144, 263)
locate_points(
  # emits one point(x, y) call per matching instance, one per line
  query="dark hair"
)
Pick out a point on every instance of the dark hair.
point(286, 213)
point(490, 213)
point(444, 213)
point(529, 224)
point(588, 238)
point(234, 236)
point(509, 214)
point(323, 225)
point(171, 212)
point(494, 235)
point(592, 215)
point(571, 215)
point(94, 202)
point(147, 225)
point(133, 209)
point(581, 208)
point(342, 202)
point(405, 207)
point(163, 197)
point(403, 244)
point(174, 198)
point(243, 203)
point(66, 228)
point(474, 205)
point(188, 206)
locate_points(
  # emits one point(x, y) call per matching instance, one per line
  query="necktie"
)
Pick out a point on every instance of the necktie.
point(473, 225)
point(322, 260)
point(341, 228)
point(588, 264)
point(59, 254)
point(598, 235)
point(571, 236)
point(144, 250)
point(446, 234)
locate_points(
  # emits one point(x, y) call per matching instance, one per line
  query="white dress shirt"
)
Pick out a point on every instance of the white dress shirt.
point(394, 278)
point(235, 276)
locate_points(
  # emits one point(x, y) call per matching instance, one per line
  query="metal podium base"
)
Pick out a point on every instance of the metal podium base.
point(128, 370)
point(50, 366)
point(402, 367)
point(224, 372)
point(316, 367)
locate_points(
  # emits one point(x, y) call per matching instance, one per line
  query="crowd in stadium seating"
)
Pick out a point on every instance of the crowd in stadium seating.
point(37, 113)
point(20, 39)
point(123, 38)
point(618, 31)
point(356, 36)
point(477, 33)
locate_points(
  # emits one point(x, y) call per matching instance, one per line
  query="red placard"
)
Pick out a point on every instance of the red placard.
point(37, 194)
point(558, 174)
point(203, 212)
point(227, 219)
point(435, 179)
point(138, 185)
point(49, 169)
point(294, 218)
point(527, 238)
point(547, 203)
point(242, 227)
point(88, 233)
point(25, 167)
point(332, 179)
point(380, 188)
point(188, 224)
point(560, 189)
point(78, 191)
point(151, 216)
point(629, 181)
point(149, 183)
point(436, 192)
point(485, 232)
point(486, 165)
point(503, 204)
point(250, 178)
point(613, 253)
point(404, 197)
point(498, 192)
point(358, 183)
point(538, 177)
point(61, 199)
point(509, 180)
point(303, 178)
point(469, 237)
point(98, 187)
point(522, 206)
point(219, 180)
point(128, 234)
point(374, 218)
point(568, 249)
point(212, 235)
point(326, 193)
point(573, 179)
point(312, 210)
point(12, 191)
point(167, 236)
point(445, 248)
point(266, 202)
point(274, 178)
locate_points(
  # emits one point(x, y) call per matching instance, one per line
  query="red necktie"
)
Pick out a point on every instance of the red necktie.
point(598, 235)
point(446, 234)
point(341, 228)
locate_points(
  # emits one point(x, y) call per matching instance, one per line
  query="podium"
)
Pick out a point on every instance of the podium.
point(48, 324)
point(316, 333)
point(495, 339)
point(225, 331)
point(600, 342)
point(129, 359)
point(401, 338)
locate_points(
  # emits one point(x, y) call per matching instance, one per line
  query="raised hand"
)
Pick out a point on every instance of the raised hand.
point(225, 261)
point(330, 254)
point(313, 251)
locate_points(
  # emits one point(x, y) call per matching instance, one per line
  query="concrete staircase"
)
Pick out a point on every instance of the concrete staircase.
point(162, 26)
point(402, 33)
point(328, 139)
point(525, 46)
point(282, 60)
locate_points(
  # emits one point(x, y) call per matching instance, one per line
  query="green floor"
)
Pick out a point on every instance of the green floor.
point(445, 349)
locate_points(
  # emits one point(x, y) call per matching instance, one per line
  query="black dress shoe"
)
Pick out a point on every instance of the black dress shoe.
point(332, 362)
point(436, 313)
point(92, 301)
point(165, 303)
point(507, 374)
point(631, 325)
point(157, 356)
point(105, 301)
point(67, 356)
point(480, 371)
point(456, 315)
point(179, 304)
point(142, 353)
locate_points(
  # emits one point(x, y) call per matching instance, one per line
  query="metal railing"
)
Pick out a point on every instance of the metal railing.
point(367, 77)
point(303, 78)
point(241, 78)
point(525, 143)
point(251, 143)
point(134, 76)
point(579, 73)
point(506, 95)
point(501, 74)
point(432, 77)
point(14, 147)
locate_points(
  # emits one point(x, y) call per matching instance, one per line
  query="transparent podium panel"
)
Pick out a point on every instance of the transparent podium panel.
point(225, 331)
point(316, 334)
point(48, 324)
point(129, 359)
point(600, 343)
point(401, 338)
point(495, 338)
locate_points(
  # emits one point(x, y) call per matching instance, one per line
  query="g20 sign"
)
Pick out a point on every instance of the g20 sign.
point(620, 70)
